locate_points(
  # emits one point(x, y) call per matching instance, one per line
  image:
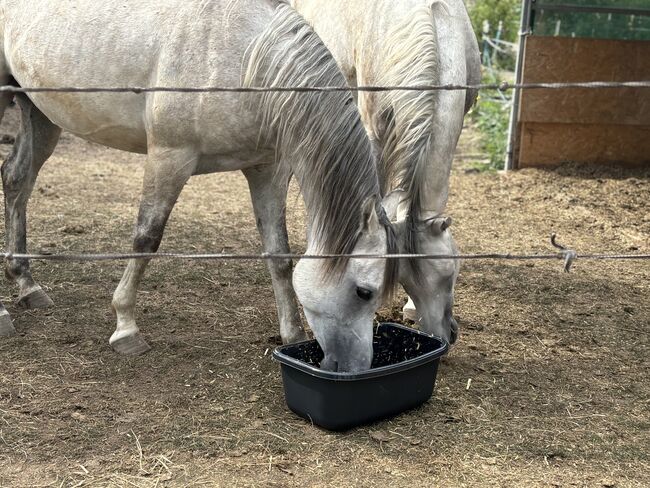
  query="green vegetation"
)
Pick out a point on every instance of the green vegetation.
point(494, 11)
point(491, 13)
point(491, 116)
point(492, 113)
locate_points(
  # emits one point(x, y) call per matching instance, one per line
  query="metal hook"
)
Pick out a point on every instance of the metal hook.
point(569, 255)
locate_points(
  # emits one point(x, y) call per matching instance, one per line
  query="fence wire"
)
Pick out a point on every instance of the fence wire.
point(504, 86)
point(569, 256)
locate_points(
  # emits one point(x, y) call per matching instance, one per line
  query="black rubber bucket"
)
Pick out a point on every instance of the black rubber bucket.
point(402, 377)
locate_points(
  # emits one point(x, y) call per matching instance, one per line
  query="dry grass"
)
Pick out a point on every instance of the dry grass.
point(558, 363)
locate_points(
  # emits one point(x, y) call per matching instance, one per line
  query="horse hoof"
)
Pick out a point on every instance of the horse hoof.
point(34, 300)
point(409, 313)
point(453, 335)
point(6, 326)
point(132, 345)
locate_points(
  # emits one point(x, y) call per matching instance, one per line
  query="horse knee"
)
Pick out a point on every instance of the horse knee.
point(148, 237)
point(149, 230)
point(146, 243)
point(284, 267)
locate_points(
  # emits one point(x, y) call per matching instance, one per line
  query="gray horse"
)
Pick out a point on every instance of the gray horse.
point(410, 42)
point(318, 138)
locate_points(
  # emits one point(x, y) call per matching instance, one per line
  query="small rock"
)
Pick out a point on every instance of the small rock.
point(47, 191)
point(78, 416)
point(127, 418)
point(253, 398)
point(449, 419)
point(285, 468)
point(238, 453)
point(72, 229)
point(379, 436)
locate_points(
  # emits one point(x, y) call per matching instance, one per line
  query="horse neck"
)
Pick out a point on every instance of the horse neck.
point(414, 43)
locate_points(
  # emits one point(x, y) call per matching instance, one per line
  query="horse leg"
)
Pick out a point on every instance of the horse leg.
point(166, 173)
point(409, 312)
point(6, 325)
point(269, 195)
point(34, 145)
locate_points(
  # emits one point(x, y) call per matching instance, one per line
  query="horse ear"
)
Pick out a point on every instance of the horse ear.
point(370, 218)
point(439, 225)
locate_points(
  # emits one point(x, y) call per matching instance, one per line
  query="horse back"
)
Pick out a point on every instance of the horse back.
point(115, 44)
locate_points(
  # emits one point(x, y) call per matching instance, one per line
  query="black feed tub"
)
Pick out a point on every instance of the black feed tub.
point(402, 376)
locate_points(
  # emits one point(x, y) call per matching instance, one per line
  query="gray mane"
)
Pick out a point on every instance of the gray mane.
point(407, 134)
point(319, 137)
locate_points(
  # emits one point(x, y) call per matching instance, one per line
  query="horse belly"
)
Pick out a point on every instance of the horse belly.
point(50, 44)
point(114, 120)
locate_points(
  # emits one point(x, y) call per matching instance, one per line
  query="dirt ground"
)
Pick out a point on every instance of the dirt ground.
point(547, 387)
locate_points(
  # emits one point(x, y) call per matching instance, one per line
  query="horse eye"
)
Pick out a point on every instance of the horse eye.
point(364, 294)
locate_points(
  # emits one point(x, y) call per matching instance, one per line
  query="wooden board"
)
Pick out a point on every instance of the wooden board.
point(552, 59)
point(549, 144)
point(584, 125)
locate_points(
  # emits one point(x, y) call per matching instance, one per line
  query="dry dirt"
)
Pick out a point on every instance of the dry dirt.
point(547, 387)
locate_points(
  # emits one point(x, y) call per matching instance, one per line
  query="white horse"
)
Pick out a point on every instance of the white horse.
point(318, 138)
point(410, 42)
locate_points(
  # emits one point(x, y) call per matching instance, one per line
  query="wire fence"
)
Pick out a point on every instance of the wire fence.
point(567, 255)
point(503, 86)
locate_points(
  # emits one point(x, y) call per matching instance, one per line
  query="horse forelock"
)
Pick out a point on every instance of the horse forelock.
point(319, 137)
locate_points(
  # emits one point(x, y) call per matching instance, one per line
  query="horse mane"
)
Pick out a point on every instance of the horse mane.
point(406, 132)
point(319, 137)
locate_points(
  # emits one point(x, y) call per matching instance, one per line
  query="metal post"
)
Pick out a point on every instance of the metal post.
point(496, 42)
point(524, 32)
